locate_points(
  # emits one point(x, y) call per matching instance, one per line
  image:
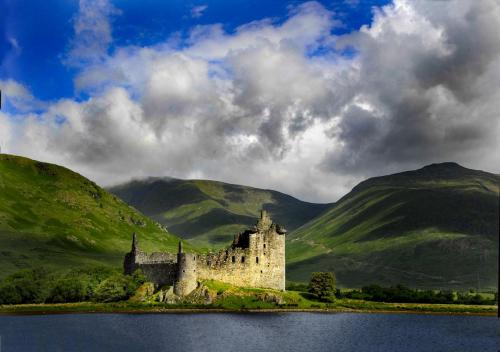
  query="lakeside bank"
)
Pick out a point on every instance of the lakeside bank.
point(342, 306)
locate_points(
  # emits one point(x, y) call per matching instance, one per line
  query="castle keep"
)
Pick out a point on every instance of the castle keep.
point(256, 258)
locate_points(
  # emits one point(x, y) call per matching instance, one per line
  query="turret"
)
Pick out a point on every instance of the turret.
point(186, 272)
point(130, 264)
point(264, 222)
point(135, 243)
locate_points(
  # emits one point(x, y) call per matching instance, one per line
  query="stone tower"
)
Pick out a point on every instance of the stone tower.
point(186, 272)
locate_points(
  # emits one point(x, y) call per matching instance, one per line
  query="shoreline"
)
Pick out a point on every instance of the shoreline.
point(79, 308)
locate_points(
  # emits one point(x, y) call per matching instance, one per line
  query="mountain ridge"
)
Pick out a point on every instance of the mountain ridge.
point(434, 227)
point(210, 213)
point(433, 214)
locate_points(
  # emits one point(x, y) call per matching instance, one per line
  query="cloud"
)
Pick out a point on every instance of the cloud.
point(279, 104)
point(197, 11)
point(93, 33)
point(19, 97)
point(426, 71)
point(15, 44)
point(11, 49)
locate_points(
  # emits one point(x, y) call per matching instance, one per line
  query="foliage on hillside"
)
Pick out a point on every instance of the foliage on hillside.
point(433, 227)
point(210, 213)
point(104, 290)
point(403, 294)
point(52, 216)
point(99, 284)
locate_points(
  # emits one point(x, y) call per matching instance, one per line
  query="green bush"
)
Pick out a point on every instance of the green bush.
point(38, 286)
point(10, 295)
point(69, 290)
point(118, 287)
point(25, 286)
point(403, 294)
point(322, 285)
point(92, 277)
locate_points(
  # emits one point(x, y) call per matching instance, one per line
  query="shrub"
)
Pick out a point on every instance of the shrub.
point(25, 286)
point(118, 287)
point(10, 295)
point(83, 284)
point(402, 294)
point(69, 290)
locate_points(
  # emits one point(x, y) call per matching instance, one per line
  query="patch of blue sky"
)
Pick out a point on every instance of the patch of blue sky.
point(60, 120)
point(43, 31)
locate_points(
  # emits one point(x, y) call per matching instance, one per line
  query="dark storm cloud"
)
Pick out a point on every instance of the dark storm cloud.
point(429, 86)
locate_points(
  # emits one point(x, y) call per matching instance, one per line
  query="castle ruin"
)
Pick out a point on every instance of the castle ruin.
point(256, 258)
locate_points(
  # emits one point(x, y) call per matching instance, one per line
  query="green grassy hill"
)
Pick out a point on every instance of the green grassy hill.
point(210, 213)
point(433, 227)
point(54, 217)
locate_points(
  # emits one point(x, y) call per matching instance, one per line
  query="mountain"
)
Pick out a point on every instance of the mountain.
point(54, 217)
point(436, 227)
point(210, 213)
point(432, 227)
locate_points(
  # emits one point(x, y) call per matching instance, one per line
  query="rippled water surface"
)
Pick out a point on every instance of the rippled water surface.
point(249, 332)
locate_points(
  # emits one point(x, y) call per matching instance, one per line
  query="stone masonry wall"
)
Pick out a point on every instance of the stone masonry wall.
point(160, 268)
point(255, 259)
point(262, 264)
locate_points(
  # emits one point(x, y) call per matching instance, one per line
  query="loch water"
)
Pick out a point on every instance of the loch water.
point(306, 332)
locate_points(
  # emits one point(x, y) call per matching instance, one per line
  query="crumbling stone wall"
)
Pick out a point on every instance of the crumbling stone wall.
point(160, 268)
point(259, 262)
point(255, 259)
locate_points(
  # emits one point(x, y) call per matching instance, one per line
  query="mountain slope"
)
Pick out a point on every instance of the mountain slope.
point(52, 216)
point(432, 227)
point(210, 213)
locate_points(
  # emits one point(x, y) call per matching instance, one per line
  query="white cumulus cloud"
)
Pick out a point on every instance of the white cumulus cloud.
point(284, 105)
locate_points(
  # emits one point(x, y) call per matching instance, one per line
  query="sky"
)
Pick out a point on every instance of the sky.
point(304, 97)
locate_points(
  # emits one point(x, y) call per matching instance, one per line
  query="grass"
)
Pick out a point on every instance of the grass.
point(210, 213)
point(436, 227)
point(228, 298)
point(51, 216)
point(242, 303)
point(432, 228)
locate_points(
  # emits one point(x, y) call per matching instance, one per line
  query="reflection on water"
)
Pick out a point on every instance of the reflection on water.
point(249, 332)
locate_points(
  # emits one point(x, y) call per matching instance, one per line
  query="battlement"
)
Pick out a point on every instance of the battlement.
point(256, 258)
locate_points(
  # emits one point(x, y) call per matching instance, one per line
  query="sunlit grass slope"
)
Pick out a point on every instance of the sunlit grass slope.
point(433, 227)
point(54, 217)
point(210, 213)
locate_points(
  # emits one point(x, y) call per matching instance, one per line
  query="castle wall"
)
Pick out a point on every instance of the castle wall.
point(262, 264)
point(255, 259)
point(160, 268)
point(160, 273)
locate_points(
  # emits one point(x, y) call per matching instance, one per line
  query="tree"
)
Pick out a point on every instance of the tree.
point(69, 290)
point(118, 287)
point(322, 285)
point(25, 286)
point(10, 295)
